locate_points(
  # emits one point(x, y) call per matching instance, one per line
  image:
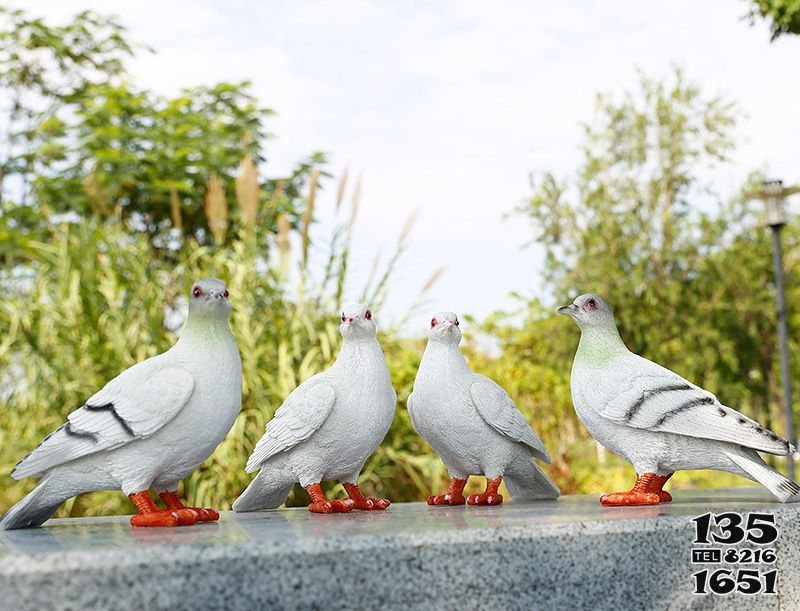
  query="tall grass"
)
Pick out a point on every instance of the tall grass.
point(94, 298)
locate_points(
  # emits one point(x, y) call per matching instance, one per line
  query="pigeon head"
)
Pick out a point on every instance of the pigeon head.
point(590, 312)
point(357, 321)
point(209, 297)
point(444, 328)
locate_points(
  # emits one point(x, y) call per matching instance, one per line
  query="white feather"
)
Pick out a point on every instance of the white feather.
point(498, 410)
point(329, 425)
point(639, 393)
point(656, 419)
point(300, 416)
point(470, 421)
point(152, 425)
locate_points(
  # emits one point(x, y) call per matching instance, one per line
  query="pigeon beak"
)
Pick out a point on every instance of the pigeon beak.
point(567, 310)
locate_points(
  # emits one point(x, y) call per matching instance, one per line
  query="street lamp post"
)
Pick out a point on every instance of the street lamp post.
point(773, 194)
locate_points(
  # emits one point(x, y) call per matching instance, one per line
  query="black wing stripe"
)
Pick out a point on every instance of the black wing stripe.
point(110, 407)
point(70, 430)
point(683, 408)
point(636, 405)
point(789, 486)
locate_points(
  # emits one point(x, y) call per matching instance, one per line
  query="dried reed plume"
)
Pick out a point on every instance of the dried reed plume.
point(284, 227)
point(175, 206)
point(356, 201)
point(373, 273)
point(407, 227)
point(433, 280)
point(341, 189)
point(216, 208)
point(272, 205)
point(247, 193)
point(95, 194)
point(308, 215)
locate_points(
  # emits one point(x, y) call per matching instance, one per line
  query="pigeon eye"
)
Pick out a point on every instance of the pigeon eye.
point(197, 291)
point(343, 317)
point(226, 293)
point(456, 323)
point(368, 315)
point(433, 323)
point(591, 304)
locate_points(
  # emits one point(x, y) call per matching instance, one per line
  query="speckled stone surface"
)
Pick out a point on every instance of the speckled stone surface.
point(565, 554)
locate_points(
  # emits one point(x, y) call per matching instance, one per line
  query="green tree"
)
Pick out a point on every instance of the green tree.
point(783, 15)
point(128, 197)
point(43, 68)
point(687, 272)
point(82, 139)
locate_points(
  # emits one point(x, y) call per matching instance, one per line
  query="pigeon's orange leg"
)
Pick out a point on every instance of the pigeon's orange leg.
point(150, 515)
point(173, 501)
point(658, 485)
point(321, 504)
point(363, 502)
point(490, 496)
point(641, 494)
point(453, 496)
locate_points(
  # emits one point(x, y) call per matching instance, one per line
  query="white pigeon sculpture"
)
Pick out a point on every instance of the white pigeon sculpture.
point(657, 420)
point(149, 427)
point(473, 425)
point(327, 427)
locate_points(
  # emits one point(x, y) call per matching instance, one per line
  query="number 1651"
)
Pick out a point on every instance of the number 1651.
point(747, 581)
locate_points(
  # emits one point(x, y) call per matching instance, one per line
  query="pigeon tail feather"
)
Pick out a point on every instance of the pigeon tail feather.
point(268, 490)
point(525, 481)
point(754, 466)
point(35, 509)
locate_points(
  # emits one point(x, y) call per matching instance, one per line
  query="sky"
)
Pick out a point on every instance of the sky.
point(446, 107)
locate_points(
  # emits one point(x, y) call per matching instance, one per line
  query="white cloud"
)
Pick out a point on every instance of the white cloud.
point(448, 106)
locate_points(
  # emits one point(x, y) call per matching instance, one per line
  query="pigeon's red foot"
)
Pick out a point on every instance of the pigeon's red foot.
point(622, 499)
point(453, 496)
point(446, 499)
point(164, 517)
point(646, 491)
point(150, 515)
point(485, 499)
point(203, 514)
point(334, 506)
point(321, 504)
point(658, 484)
point(362, 502)
point(490, 496)
point(206, 514)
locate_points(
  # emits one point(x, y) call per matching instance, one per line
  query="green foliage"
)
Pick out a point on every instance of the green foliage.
point(123, 202)
point(83, 140)
point(93, 299)
point(125, 152)
point(44, 68)
point(122, 198)
point(784, 15)
point(689, 276)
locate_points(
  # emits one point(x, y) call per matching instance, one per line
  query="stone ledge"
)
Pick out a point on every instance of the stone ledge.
point(570, 553)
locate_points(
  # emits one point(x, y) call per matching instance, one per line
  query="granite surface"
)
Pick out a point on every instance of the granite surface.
point(565, 554)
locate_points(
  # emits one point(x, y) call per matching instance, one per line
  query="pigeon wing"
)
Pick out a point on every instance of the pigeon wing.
point(645, 395)
point(409, 407)
point(498, 410)
point(134, 405)
point(300, 416)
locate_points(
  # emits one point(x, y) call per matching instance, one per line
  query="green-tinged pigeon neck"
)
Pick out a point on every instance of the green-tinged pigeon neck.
point(599, 346)
point(205, 326)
